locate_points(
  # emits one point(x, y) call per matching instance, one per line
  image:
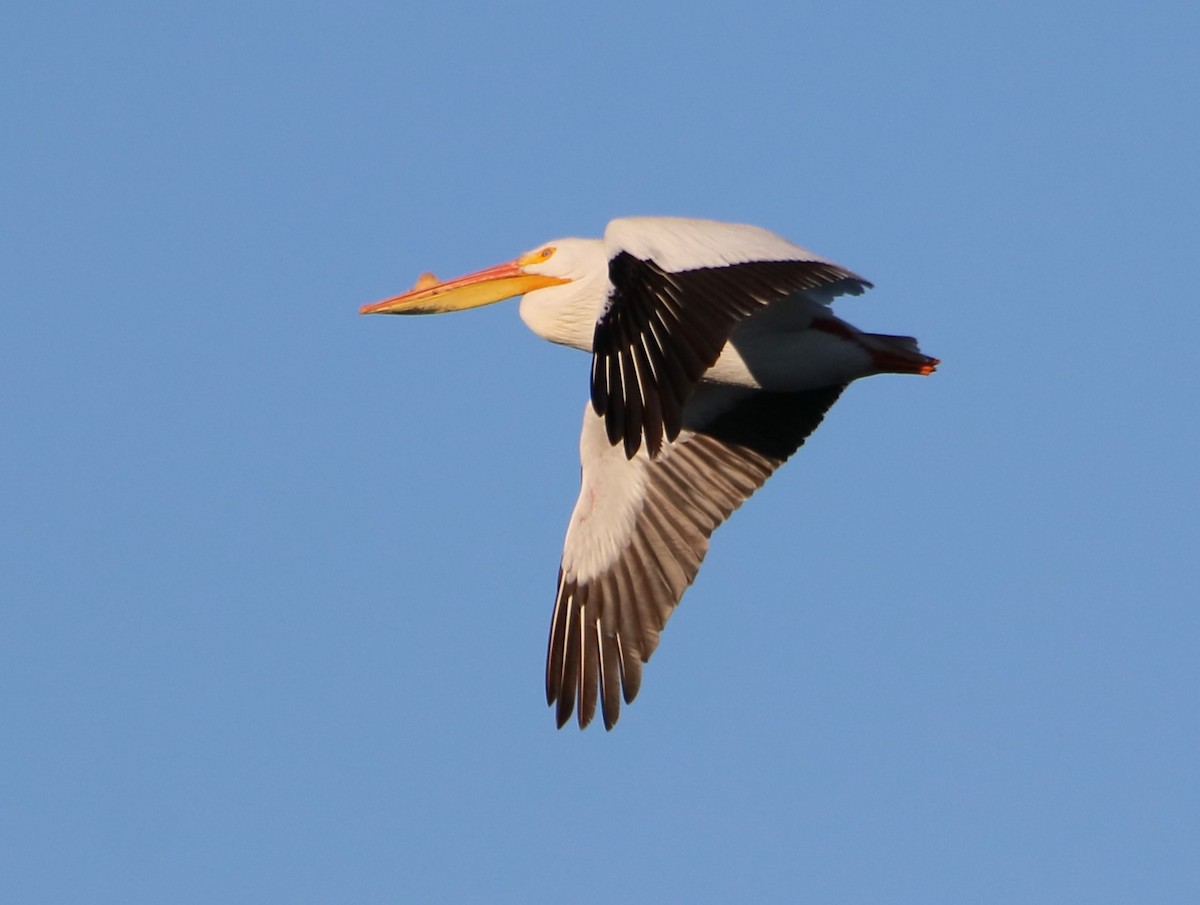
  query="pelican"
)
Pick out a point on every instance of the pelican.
point(714, 356)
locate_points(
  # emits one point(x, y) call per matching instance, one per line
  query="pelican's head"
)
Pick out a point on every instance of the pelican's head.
point(564, 283)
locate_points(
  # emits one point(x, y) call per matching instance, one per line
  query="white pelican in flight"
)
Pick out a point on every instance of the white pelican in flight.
point(714, 356)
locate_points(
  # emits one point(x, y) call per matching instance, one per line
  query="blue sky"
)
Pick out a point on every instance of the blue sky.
point(276, 579)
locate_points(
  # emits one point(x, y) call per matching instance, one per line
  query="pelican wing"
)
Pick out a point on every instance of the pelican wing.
point(640, 530)
point(678, 288)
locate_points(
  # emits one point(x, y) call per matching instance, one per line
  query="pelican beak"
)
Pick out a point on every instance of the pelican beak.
point(430, 296)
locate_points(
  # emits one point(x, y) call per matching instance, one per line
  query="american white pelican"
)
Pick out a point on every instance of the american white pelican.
point(714, 356)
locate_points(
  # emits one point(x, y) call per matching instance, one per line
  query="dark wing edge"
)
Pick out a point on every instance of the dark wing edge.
point(661, 331)
point(604, 629)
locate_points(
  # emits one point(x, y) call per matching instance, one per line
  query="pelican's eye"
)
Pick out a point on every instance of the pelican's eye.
point(541, 256)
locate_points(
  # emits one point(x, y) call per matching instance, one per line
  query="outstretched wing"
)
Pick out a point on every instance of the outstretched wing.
point(678, 289)
point(640, 530)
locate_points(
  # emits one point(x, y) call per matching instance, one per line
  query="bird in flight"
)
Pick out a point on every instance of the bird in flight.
point(714, 356)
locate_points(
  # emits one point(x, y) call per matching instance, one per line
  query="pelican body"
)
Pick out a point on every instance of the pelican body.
point(714, 356)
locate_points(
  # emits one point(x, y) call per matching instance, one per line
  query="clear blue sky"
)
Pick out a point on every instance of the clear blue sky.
point(276, 579)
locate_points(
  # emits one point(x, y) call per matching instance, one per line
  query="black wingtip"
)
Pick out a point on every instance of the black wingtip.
point(633, 442)
point(599, 390)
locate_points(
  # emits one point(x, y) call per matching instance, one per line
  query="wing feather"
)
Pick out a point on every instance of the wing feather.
point(640, 531)
point(667, 327)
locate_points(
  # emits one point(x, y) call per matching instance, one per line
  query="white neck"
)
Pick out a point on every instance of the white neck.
point(567, 314)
